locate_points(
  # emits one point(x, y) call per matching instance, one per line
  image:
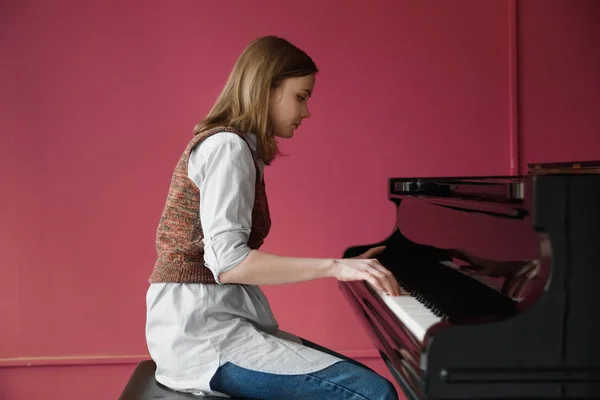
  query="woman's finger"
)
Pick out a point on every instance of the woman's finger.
point(374, 281)
point(375, 251)
point(388, 282)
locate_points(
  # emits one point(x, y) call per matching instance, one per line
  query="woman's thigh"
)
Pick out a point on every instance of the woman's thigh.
point(315, 346)
point(342, 380)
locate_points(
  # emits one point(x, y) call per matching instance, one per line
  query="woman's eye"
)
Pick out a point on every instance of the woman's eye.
point(300, 98)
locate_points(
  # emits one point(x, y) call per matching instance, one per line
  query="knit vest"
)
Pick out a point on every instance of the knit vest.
point(179, 237)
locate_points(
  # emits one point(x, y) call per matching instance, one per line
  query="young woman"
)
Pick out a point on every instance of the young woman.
point(209, 328)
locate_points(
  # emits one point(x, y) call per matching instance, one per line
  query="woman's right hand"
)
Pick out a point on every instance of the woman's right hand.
point(368, 269)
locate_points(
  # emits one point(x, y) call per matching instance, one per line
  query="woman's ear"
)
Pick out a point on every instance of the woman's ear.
point(275, 95)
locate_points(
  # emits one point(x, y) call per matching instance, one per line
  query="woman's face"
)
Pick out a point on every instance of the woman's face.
point(288, 105)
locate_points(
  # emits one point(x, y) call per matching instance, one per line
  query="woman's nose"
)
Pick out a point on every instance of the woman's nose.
point(305, 113)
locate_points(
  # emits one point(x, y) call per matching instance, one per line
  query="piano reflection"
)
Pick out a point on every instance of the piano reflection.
point(501, 279)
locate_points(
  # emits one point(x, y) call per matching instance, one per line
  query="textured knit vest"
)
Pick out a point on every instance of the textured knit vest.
point(179, 237)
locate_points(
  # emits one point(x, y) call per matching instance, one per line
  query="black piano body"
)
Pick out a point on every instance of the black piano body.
point(524, 326)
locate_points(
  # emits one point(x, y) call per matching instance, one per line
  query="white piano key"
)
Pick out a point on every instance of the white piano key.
point(414, 315)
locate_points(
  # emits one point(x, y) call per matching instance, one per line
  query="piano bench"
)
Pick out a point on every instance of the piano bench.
point(143, 386)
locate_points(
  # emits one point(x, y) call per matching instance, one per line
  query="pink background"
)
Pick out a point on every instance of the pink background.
point(98, 99)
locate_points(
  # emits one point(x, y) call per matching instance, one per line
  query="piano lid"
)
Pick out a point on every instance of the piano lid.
point(502, 196)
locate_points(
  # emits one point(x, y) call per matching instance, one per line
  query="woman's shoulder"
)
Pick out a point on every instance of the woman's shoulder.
point(221, 144)
point(221, 138)
point(214, 141)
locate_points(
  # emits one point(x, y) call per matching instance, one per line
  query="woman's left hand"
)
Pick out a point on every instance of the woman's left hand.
point(371, 253)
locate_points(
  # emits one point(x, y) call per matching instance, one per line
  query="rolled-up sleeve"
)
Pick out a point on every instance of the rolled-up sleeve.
point(224, 171)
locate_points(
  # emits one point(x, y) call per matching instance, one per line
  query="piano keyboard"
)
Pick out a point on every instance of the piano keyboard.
point(436, 291)
point(413, 314)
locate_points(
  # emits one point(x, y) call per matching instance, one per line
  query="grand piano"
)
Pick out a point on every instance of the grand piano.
point(501, 286)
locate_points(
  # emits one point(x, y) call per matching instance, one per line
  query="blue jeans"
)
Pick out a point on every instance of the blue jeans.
point(348, 380)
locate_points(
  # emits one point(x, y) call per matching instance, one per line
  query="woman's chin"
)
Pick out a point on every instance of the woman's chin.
point(285, 135)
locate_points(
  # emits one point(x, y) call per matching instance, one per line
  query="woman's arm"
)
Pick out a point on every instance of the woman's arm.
point(260, 268)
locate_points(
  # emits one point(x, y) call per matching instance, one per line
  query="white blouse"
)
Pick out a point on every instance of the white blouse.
point(192, 329)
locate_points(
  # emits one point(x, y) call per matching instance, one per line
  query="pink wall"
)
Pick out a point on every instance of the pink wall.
point(559, 97)
point(98, 100)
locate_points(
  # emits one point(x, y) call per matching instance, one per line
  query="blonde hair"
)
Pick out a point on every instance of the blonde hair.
point(244, 101)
